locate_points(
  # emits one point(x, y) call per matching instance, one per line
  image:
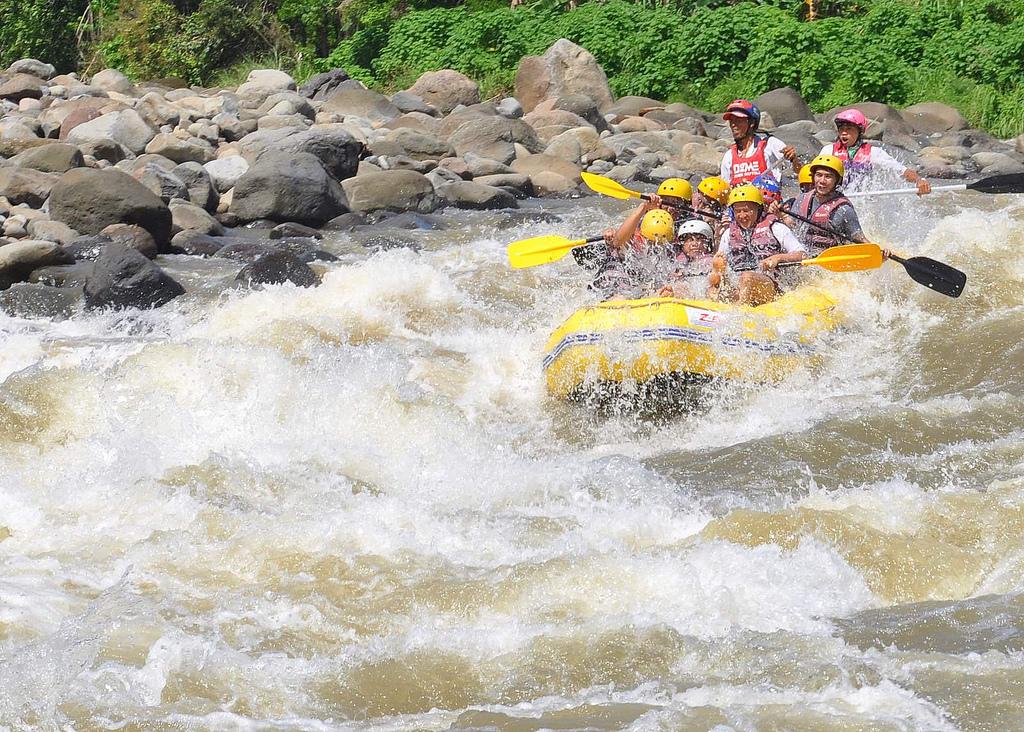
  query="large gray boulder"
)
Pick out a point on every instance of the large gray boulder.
point(179, 150)
point(785, 105)
point(33, 67)
point(58, 157)
point(112, 80)
point(19, 259)
point(189, 217)
point(21, 86)
point(446, 89)
point(124, 278)
point(332, 145)
point(260, 84)
point(494, 138)
point(225, 172)
point(930, 117)
point(161, 181)
point(284, 186)
point(392, 190)
point(322, 85)
point(200, 187)
point(364, 103)
point(24, 185)
point(125, 128)
point(420, 145)
point(564, 69)
point(89, 200)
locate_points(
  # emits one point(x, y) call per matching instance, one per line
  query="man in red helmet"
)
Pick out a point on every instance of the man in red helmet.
point(860, 157)
point(752, 154)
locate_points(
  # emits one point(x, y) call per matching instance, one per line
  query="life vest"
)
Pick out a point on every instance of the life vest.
point(744, 170)
point(696, 267)
point(815, 239)
point(748, 247)
point(859, 166)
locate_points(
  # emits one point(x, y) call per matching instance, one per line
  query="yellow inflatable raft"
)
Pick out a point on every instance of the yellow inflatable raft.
point(638, 340)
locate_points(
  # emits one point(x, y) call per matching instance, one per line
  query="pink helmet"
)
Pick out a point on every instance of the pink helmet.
point(854, 117)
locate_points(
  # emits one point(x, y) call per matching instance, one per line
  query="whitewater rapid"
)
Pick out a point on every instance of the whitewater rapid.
point(355, 507)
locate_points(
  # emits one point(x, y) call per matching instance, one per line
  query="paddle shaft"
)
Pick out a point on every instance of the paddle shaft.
point(897, 191)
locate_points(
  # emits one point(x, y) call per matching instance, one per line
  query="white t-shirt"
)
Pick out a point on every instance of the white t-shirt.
point(880, 159)
point(772, 156)
point(782, 232)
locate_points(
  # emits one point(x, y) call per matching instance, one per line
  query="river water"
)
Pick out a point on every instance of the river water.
point(354, 507)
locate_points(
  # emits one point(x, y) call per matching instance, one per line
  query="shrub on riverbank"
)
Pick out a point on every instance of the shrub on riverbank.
point(968, 53)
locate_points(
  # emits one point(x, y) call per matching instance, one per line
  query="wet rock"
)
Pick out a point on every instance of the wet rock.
point(284, 186)
point(40, 301)
point(290, 228)
point(87, 248)
point(124, 278)
point(345, 222)
point(522, 216)
point(517, 182)
point(385, 242)
point(564, 69)
point(277, 268)
point(24, 185)
point(446, 89)
point(467, 194)
point(394, 190)
point(53, 158)
point(17, 260)
point(63, 275)
point(242, 250)
point(305, 248)
point(196, 243)
point(412, 221)
point(89, 200)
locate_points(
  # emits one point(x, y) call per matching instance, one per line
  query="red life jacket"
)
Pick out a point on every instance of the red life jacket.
point(861, 164)
point(745, 170)
point(746, 250)
point(815, 239)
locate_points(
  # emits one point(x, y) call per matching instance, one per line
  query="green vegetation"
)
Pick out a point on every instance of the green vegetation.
point(969, 53)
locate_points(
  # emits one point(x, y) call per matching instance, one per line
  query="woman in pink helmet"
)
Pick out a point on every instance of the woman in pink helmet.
point(860, 157)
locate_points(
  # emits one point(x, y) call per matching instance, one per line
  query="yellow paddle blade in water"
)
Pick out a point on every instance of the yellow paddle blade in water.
point(542, 250)
point(848, 258)
point(600, 184)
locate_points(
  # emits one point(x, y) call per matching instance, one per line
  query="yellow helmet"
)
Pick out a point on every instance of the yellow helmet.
point(678, 187)
point(657, 226)
point(714, 188)
point(805, 176)
point(746, 193)
point(828, 161)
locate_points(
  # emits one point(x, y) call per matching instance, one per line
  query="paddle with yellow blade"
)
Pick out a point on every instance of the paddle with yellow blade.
point(847, 258)
point(543, 249)
point(931, 273)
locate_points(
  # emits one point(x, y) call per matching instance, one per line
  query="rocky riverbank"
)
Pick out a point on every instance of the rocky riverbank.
point(101, 178)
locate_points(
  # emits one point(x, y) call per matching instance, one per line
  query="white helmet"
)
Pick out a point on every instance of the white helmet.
point(696, 226)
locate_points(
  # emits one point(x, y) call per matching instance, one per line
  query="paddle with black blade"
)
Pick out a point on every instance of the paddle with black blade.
point(1007, 183)
point(544, 249)
point(931, 273)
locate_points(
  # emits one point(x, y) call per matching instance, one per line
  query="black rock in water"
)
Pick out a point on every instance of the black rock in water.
point(124, 278)
point(276, 268)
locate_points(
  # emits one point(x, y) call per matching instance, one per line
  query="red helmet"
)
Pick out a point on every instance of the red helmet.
point(854, 117)
point(743, 108)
